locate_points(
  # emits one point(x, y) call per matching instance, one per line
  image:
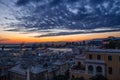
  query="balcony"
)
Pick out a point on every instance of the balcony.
point(80, 57)
point(95, 61)
point(78, 69)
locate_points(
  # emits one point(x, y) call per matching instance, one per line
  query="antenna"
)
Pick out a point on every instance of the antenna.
point(28, 74)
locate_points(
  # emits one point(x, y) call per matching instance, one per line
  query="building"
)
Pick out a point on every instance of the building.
point(104, 62)
point(63, 67)
point(21, 73)
point(7, 61)
point(24, 63)
point(3, 72)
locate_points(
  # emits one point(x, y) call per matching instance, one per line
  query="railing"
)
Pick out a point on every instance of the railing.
point(99, 73)
point(90, 72)
point(77, 71)
point(79, 57)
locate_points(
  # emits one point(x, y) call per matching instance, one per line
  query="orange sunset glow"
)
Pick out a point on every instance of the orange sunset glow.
point(14, 37)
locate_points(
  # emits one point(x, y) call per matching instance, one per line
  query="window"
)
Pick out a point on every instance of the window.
point(73, 76)
point(79, 63)
point(90, 56)
point(90, 69)
point(0, 71)
point(119, 58)
point(119, 70)
point(99, 69)
point(98, 57)
point(110, 58)
point(110, 70)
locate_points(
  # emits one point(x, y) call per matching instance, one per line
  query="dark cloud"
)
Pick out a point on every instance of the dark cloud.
point(13, 30)
point(8, 18)
point(73, 0)
point(41, 15)
point(22, 2)
point(97, 1)
point(77, 32)
point(58, 34)
point(55, 2)
point(51, 2)
point(22, 30)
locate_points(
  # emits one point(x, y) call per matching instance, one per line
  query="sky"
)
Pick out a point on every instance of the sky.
point(58, 20)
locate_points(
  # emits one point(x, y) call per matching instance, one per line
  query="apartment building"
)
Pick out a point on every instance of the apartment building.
point(104, 62)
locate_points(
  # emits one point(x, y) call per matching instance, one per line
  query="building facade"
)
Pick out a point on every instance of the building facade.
point(97, 62)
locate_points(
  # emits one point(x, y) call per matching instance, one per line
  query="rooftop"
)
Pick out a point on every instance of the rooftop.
point(18, 69)
point(59, 63)
point(104, 50)
point(37, 69)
